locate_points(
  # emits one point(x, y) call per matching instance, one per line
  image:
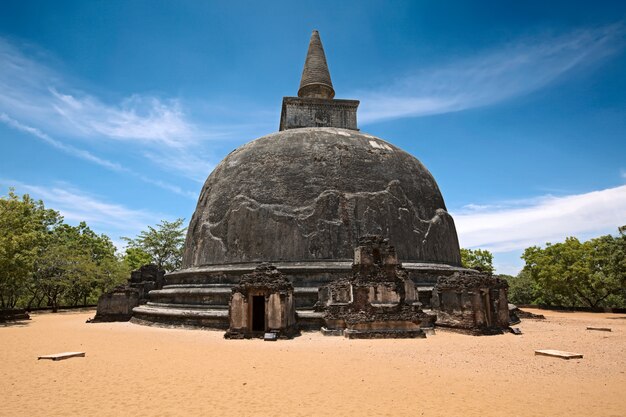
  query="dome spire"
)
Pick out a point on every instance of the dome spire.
point(315, 82)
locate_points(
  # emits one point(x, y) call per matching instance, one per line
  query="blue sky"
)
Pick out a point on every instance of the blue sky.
point(114, 112)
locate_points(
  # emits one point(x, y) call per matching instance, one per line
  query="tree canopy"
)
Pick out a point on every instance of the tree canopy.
point(46, 261)
point(575, 273)
point(25, 226)
point(479, 259)
point(161, 245)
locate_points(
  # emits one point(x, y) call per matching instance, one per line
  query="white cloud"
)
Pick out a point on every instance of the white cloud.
point(136, 118)
point(541, 220)
point(75, 206)
point(494, 76)
point(88, 156)
point(36, 98)
point(71, 150)
point(33, 92)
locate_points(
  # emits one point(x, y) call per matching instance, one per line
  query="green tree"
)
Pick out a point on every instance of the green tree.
point(522, 289)
point(163, 243)
point(479, 259)
point(574, 273)
point(25, 225)
point(76, 265)
point(136, 257)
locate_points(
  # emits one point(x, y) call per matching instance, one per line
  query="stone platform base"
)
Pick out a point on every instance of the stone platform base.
point(284, 334)
point(181, 317)
point(384, 334)
point(199, 297)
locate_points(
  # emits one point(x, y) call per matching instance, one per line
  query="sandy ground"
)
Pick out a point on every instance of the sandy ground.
point(133, 370)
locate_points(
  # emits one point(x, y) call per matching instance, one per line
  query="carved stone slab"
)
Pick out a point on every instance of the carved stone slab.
point(559, 354)
point(63, 355)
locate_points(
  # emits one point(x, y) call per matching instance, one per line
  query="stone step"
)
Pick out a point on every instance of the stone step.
point(193, 290)
point(180, 312)
point(216, 296)
point(305, 290)
point(309, 319)
point(173, 286)
point(187, 306)
point(181, 317)
point(309, 314)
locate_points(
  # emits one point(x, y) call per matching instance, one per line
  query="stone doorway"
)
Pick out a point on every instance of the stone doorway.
point(262, 301)
point(258, 313)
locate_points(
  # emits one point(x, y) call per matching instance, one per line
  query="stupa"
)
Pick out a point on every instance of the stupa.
point(300, 199)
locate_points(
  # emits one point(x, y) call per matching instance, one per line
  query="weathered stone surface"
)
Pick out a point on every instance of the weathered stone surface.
point(309, 194)
point(298, 112)
point(265, 277)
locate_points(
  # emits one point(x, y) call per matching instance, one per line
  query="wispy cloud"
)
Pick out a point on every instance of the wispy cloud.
point(42, 101)
point(71, 150)
point(41, 96)
point(88, 156)
point(136, 118)
point(515, 226)
point(512, 70)
point(76, 205)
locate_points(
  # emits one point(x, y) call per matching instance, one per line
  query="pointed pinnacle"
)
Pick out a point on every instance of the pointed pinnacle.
point(315, 80)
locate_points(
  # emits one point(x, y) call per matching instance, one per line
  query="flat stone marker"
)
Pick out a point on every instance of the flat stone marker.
point(559, 354)
point(63, 355)
point(270, 337)
point(600, 329)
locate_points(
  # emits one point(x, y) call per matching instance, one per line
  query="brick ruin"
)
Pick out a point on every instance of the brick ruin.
point(118, 304)
point(377, 301)
point(471, 301)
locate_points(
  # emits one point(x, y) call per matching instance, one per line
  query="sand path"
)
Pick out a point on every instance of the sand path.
point(133, 370)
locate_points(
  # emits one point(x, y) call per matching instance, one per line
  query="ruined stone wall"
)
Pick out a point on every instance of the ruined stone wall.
point(118, 304)
point(472, 302)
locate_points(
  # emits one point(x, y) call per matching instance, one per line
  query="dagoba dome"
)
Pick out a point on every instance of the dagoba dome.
point(308, 194)
point(300, 199)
